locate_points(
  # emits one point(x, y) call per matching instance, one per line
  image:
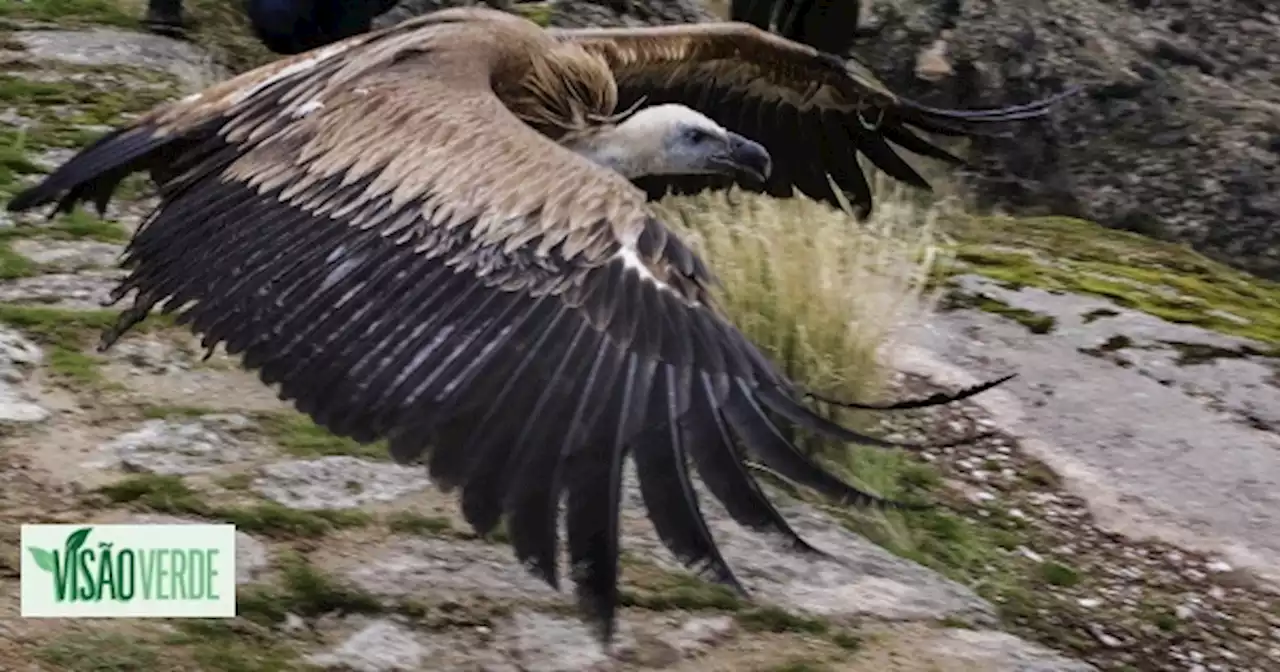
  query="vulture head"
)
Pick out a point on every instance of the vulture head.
point(673, 140)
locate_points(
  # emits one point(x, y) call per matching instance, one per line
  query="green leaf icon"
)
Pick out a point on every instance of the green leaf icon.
point(43, 558)
point(76, 539)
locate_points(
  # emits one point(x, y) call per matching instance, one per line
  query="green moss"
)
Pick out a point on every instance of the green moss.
point(99, 652)
point(774, 619)
point(274, 520)
point(72, 12)
point(169, 494)
point(660, 590)
point(232, 645)
point(1058, 574)
point(303, 591)
point(800, 665)
point(14, 265)
point(846, 640)
point(80, 224)
point(298, 435)
point(537, 12)
point(162, 412)
point(1034, 322)
point(164, 494)
point(407, 522)
point(65, 334)
point(1167, 280)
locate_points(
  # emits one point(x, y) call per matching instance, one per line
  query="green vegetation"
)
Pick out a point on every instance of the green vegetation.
point(801, 665)
point(537, 12)
point(299, 436)
point(1034, 322)
point(75, 12)
point(1167, 280)
point(100, 652)
point(408, 522)
point(169, 494)
point(649, 587)
point(304, 591)
point(66, 336)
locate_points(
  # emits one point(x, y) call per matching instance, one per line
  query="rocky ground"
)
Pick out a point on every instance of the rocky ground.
point(351, 562)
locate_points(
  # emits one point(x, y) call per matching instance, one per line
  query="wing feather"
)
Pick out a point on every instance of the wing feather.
point(793, 98)
point(410, 261)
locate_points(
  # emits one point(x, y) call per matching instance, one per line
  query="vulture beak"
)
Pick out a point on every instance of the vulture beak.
point(751, 158)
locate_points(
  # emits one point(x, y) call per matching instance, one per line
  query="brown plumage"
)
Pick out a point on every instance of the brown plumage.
point(404, 231)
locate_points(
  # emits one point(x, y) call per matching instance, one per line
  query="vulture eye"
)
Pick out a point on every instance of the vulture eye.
point(698, 135)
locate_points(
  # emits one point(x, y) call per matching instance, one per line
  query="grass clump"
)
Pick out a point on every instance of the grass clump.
point(231, 645)
point(656, 589)
point(65, 336)
point(304, 591)
point(774, 619)
point(299, 436)
point(124, 13)
point(169, 494)
point(99, 652)
point(1058, 574)
point(817, 291)
point(408, 522)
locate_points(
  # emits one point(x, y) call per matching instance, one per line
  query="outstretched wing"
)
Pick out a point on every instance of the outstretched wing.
point(824, 25)
point(372, 229)
point(813, 111)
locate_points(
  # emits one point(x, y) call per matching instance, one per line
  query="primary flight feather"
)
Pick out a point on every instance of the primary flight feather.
point(429, 234)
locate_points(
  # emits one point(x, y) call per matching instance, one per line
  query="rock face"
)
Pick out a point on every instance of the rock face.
point(1177, 134)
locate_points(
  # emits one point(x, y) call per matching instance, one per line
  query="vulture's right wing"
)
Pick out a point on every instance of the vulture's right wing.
point(826, 25)
point(813, 111)
point(370, 227)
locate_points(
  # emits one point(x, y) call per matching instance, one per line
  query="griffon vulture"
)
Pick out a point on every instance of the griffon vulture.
point(427, 234)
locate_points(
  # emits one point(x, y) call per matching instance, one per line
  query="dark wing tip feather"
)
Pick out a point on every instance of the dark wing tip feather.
point(973, 122)
point(935, 399)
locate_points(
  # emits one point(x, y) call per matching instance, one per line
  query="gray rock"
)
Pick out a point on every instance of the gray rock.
point(381, 646)
point(545, 643)
point(338, 482)
point(867, 580)
point(18, 356)
point(252, 556)
point(68, 255)
point(699, 634)
point(1172, 137)
point(432, 569)
point(106, 46)
point(85, 290)
point(146, 354)
point(1186, 454)
point(201, 445)
point(993, 651)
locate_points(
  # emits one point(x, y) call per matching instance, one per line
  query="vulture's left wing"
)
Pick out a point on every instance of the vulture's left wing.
point(371, 228)
point(813, 111)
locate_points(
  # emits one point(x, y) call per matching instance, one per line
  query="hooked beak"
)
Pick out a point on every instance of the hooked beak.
point(749, 158)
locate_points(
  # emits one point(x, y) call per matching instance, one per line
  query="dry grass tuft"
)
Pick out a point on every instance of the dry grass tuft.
point(822, 294)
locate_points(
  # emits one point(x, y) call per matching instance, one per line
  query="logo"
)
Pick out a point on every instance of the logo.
point(128, 571)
